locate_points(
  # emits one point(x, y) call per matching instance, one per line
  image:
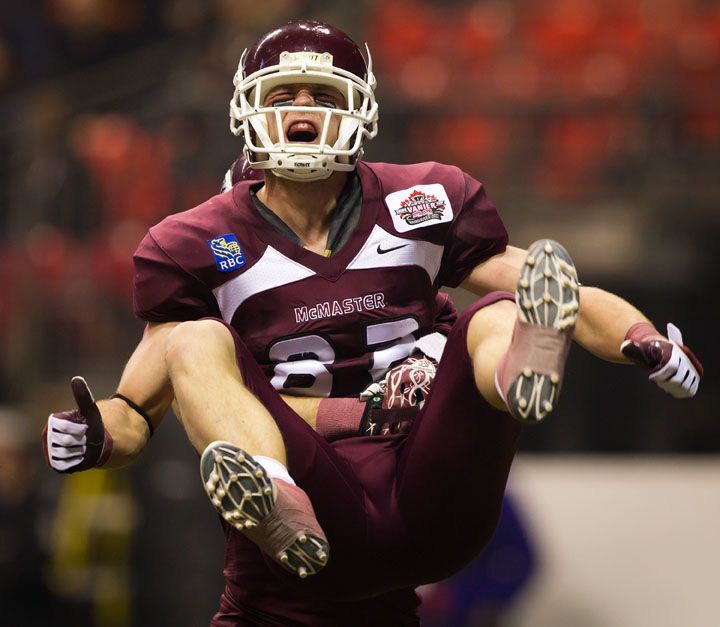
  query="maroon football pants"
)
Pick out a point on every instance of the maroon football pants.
point(398, 510)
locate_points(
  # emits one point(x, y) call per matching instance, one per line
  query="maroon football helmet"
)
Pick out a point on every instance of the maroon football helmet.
point(312, 53)
point(239, 171)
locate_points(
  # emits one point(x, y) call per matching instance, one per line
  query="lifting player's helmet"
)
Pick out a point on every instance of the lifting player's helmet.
point(239, 171)
point(313, 53)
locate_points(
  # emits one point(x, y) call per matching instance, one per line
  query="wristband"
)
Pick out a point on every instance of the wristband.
point(640, 331)
point(137, 409)
point(375, 419)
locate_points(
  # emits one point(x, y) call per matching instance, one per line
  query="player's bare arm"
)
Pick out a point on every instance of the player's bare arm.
point(145, 383)
point(604, 317)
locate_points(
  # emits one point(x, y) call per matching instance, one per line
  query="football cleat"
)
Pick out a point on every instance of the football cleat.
point(547, 298)
point(274, 514)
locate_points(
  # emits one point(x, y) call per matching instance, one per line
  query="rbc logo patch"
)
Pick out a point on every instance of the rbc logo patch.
point(227, 252)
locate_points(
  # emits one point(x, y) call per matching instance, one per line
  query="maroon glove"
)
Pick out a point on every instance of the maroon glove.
point(76, 440)
point(393, 402)
point(405, 385)
point(672, 365)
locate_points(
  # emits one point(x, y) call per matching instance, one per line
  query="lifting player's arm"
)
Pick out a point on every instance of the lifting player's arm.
point(112, 432)
point(608, 326)
point(604, 318)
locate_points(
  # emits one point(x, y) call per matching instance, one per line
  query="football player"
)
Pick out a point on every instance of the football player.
point(273, 300)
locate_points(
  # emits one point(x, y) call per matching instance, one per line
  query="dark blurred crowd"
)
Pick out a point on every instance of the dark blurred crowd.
point(575, 82)
point(597, 120)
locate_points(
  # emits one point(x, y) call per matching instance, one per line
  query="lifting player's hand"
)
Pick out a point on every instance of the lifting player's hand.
point(405, 385)
point(394, 401)
point(76, 440)
point(672, 365)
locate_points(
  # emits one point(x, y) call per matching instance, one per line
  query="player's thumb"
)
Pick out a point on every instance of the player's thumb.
point(645, 354)
point(83, 397)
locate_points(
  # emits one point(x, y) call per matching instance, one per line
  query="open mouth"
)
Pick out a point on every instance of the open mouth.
point(301, 132)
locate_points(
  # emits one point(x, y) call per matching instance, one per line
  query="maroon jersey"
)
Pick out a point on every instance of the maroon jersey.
point(319, 325)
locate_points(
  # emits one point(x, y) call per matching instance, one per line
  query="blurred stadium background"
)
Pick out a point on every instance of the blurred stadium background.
point(595, 122)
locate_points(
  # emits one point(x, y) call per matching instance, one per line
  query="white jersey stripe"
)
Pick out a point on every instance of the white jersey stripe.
point(272, 270)
point(383, 250)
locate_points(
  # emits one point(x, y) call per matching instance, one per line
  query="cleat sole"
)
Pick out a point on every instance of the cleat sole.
point(242, 493)
point(548, 295)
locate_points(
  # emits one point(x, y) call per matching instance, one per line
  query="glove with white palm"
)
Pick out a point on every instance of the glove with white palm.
point(76, 439)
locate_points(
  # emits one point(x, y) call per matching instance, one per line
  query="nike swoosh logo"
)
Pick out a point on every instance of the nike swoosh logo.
point(380, 251)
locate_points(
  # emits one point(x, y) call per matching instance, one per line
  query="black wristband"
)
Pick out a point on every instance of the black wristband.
point(138, 410)
point(368, 423)
point(376, 420)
